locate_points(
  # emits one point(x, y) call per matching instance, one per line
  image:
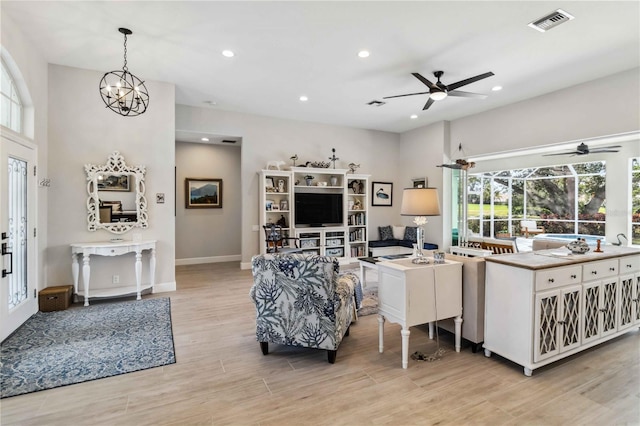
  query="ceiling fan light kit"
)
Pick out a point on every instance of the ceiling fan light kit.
point(439, 91)
point(121, 91)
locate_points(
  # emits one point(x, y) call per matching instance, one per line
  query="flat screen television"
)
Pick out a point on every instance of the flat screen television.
point(318, 209)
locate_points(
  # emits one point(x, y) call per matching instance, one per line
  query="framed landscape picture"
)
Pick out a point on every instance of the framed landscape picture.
point(381, 193)
point(203, 193)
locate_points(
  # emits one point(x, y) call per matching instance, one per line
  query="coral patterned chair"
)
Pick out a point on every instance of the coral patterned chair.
point(302, 300)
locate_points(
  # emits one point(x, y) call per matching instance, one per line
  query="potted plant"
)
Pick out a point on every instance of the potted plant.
point(308, 179)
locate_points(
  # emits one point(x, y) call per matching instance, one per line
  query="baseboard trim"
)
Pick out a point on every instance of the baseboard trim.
point(245, 265)
point(211, 259)
point(163, 287)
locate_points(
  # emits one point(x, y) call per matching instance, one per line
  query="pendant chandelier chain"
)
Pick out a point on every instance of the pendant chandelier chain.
point(124, 67)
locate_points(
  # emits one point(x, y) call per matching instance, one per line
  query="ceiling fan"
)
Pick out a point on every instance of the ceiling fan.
point(583, 149)
point(438, 91)
point(460, 164)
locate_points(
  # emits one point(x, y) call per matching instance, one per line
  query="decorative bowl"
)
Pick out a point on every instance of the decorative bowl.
point(319, 164)
point(578, 247)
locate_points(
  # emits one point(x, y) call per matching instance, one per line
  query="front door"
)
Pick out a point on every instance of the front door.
point(18, 299)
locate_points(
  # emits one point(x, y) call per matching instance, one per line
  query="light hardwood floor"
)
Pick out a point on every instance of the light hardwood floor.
point(221, 377)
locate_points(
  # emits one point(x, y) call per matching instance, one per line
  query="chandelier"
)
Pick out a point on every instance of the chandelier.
point(123, 92)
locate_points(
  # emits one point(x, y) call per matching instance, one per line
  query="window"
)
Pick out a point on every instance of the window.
point(563, 199)
point(10, 107)
point(635, 201)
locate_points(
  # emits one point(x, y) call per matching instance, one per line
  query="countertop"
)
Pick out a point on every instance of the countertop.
point(543, 259)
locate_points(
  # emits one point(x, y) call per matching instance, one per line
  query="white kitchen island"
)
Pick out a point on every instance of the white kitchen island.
point(545, 305)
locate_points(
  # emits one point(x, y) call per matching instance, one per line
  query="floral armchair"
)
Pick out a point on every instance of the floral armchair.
point(302, 300)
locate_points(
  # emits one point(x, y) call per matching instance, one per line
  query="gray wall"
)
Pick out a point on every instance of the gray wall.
point(208, 235)
point(85, 132)
point(606, 106)
point(265, 139)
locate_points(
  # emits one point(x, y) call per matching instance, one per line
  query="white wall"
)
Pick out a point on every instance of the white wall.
point(208, 235)
point(83, 131)
point(265, 139)
point(33, 69)
point(420, 151)
point(606, 106)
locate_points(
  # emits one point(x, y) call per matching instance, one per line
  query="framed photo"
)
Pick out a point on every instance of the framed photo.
point(420, 182)
point(268, 182)
point(268, 205)
point(114, 182)
point(275, 207)
point(284, 205)
point(381, 194)
point(203, 193)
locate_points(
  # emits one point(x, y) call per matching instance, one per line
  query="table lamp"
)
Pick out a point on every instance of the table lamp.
point(420, 202)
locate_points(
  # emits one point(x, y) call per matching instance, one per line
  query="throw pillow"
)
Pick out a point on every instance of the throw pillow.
point(398, 232)
point(411, 233)
point(386, 233)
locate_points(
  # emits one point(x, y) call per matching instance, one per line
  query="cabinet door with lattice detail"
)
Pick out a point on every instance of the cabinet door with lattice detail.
point(627, 311)
point(547, 327)
point(636, 298)
point(591, 315)
point(570, 318)
point(609, 306)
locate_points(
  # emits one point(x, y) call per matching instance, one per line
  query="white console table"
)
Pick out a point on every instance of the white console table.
point(411, 294)
point(108, 248)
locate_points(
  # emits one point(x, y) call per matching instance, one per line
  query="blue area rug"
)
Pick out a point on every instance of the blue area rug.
point(61, 348)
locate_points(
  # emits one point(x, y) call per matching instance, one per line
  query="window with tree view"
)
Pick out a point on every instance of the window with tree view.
point(562, 199)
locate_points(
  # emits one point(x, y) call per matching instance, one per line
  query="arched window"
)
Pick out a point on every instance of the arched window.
point(11, 107)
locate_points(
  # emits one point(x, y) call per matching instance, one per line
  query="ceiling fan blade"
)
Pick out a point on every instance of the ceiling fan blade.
point(462, 94)
point(408, 94)
point(428, 104)
point(595, 151)
point(429, 84)
point(564, 153)
point(461, 83)
point(450, 166)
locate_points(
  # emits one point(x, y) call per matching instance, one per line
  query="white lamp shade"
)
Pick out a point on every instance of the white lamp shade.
point(420, 202)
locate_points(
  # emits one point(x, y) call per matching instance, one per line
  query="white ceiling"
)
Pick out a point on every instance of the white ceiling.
point(287, 49)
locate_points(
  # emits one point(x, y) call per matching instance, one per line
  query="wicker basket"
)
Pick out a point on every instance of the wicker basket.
point(55, 298)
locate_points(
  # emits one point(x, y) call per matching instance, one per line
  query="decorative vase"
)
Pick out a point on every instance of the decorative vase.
point(578, 246)
point(308, 182)
point(333, 180)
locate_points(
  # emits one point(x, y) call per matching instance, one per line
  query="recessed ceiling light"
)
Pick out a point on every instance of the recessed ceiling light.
point(228, 53)
point(413, 117)
point(204, 139)
point(496, 88)
point(303, 98)
point(363, 53)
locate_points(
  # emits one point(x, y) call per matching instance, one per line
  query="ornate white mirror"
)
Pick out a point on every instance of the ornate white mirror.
point(116, 196)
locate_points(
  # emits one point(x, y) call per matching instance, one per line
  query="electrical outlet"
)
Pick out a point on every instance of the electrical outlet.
point(116, 279)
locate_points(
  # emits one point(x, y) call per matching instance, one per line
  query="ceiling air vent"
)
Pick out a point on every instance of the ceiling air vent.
point(228, 141)
point(376, 103)
point(551, 20)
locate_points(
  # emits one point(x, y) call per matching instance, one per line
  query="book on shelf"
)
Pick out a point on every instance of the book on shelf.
point(356, 219)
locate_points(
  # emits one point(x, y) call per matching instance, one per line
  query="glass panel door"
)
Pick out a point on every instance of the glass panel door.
point(17, 224)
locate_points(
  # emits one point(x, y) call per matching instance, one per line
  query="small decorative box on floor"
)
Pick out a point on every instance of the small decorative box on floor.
point(55, 298)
